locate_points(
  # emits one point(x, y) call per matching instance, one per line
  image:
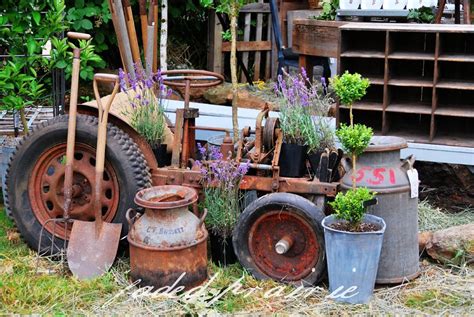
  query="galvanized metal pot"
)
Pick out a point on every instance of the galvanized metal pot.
point(352, 259)
point(168, 240)
point(379, 168)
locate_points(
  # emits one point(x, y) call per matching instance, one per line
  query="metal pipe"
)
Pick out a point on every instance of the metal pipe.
point(284, 245)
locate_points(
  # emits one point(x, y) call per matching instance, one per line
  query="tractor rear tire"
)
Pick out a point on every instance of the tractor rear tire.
point(271, 219)
point(43, 150)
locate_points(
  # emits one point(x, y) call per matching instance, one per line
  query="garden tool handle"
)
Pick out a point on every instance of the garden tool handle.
point(78, 36)
point(71, 130)
point(101, 141)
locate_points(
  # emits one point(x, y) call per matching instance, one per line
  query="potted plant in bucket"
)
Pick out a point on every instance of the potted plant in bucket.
point(353, 239)
point(296, 100)
point(147, 113)
point(221, 179)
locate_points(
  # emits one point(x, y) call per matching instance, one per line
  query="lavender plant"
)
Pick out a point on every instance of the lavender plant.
point(303, 106)
point(145, 94)
point(221, 180)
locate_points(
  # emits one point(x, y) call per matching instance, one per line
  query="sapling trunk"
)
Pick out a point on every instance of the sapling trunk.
point(23, 120)
point(164, 35)
point(233, 70)
point(353, 153)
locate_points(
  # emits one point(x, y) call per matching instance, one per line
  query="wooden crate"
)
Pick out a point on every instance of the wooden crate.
point(422, 84)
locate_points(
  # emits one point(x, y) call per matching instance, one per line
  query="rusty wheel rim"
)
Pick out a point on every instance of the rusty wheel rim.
point(46, 194)
point(300, 259)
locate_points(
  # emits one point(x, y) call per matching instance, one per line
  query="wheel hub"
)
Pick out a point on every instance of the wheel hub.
point(46, 187)
point(283, 245)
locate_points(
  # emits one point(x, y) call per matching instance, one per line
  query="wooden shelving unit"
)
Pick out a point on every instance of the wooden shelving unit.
point(422, 80)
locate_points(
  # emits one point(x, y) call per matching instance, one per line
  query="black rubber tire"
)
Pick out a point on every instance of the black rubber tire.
point(301, 206)
point(122, 154)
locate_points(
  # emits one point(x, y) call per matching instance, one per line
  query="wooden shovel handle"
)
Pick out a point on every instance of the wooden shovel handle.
point(78, 36)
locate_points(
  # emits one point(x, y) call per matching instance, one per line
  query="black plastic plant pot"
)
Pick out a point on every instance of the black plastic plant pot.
point(292, 160)
point(222, 250)
point(162, 156)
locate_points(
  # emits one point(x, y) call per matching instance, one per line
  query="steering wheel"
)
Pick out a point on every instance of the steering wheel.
point(190, 77)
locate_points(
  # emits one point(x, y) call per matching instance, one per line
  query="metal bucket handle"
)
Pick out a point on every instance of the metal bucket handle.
point(201, 220)
point(410, 160)
point(132, 220)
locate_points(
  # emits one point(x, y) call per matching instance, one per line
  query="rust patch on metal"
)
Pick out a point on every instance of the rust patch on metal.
point(302, 255)
point(46, 188)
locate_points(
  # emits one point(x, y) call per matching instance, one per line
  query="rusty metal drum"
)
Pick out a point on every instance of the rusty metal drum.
point(380, 169)
point(168, 243)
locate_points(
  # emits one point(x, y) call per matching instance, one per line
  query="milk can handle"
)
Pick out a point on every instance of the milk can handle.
point(201, 220)
point(131, 220)
point(410, 160)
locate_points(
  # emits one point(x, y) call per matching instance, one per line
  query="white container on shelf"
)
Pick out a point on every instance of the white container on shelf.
point(394, 4)
point(349, 4)
point(371, 4)
point(415, 4)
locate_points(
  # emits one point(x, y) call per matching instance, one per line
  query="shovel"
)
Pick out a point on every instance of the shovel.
point(93, 245)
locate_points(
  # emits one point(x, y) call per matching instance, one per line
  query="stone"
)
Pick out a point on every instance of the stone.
point(444, 245)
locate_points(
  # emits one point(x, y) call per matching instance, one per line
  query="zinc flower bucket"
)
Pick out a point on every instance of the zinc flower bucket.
point(352, 259)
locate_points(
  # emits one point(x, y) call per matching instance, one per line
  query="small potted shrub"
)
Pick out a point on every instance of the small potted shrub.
point(221, 180)
point(147, 113)
point(299, 103)
point(353, 239)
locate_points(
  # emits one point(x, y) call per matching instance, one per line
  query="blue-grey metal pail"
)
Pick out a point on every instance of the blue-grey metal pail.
point(353, 259)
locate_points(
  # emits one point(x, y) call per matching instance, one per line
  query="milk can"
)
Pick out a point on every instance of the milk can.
point(167, 240)
point(379, 168)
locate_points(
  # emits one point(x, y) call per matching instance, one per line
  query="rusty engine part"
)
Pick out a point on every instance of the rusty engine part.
point(168, 240)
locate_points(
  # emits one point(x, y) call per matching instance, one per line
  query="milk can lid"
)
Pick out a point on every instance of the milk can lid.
point(386, 143)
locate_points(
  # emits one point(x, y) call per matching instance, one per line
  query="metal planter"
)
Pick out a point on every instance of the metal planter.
point(353, 259)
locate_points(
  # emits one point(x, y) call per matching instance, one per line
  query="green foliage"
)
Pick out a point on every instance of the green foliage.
point(231, 7)
point(91, 16)
point(25, 26)
point(421, 15)
point(17, 89)
point(355, 138)
point(329, 11)
point(350, 87)
point(349, 206)
point(149, 121)
point(223, 209)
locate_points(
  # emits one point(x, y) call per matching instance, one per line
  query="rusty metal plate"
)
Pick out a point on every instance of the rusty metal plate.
point(302, 254)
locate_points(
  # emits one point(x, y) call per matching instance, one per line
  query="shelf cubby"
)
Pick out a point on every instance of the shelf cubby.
point(410, 100)
point(457, 47)
point(411, 73)
point(456, 131)
point(455, 103)
point(456, 75)
point(355, 44)
point(364, 117)
point(414, 127)
point(373, 69)
point(412, 46)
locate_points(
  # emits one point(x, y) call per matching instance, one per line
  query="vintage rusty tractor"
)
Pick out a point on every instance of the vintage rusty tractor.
point(278, 236)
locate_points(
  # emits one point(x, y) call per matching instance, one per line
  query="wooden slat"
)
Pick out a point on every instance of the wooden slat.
point(258, 38)
point(249, 46)
point(270, 55)
point(259, 7)
point(245, 55)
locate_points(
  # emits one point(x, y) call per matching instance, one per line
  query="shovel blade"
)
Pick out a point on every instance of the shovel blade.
point(89, 255)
